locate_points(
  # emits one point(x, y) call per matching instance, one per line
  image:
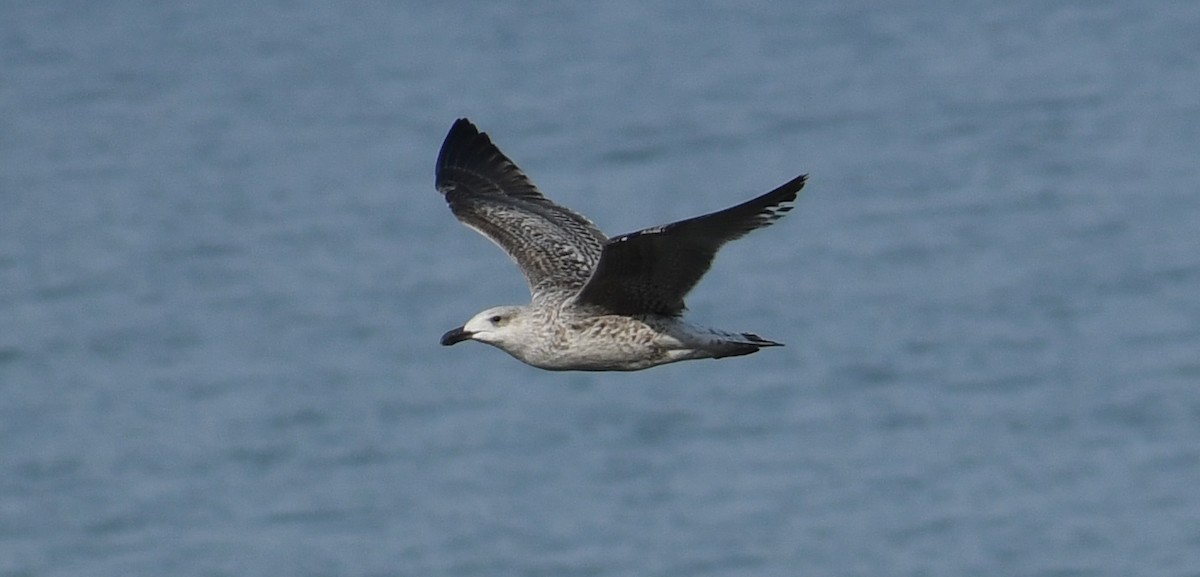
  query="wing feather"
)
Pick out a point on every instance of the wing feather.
point(556, 248)
point(652, 270)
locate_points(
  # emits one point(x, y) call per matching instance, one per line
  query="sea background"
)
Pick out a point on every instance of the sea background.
point(224, 271)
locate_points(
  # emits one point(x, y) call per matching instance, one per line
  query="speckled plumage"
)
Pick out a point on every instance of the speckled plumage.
point(598, 304)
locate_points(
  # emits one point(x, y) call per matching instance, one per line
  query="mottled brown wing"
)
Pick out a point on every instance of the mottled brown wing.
point(556, 248)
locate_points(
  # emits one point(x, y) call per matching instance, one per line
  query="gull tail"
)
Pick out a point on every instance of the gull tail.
point(743, 344)
point(753, 339)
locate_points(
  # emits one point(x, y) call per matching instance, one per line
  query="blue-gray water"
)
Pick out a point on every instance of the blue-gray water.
point(224, 271)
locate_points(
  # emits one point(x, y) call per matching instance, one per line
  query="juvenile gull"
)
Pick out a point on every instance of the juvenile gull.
point(598, 304)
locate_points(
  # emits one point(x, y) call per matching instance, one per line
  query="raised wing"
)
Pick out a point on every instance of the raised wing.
point(652, 270)
point(557, 249)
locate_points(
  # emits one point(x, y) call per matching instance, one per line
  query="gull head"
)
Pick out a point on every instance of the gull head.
point(497, 326)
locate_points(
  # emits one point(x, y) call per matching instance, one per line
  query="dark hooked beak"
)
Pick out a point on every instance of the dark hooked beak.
point(455, 336)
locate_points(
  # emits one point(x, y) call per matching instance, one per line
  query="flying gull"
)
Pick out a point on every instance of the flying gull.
point(599, 304)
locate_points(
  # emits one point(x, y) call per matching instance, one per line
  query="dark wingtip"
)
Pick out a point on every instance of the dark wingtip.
point(462, 125)
point(469, 159)
point(790, 189)
point(460, 142)
point(463, 133)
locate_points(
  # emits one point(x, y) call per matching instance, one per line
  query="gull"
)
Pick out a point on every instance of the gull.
point(598, 304)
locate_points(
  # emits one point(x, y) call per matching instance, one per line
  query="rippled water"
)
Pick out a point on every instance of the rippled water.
point(224, 271)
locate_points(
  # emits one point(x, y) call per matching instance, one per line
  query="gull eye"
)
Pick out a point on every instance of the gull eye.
point(495, 319)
